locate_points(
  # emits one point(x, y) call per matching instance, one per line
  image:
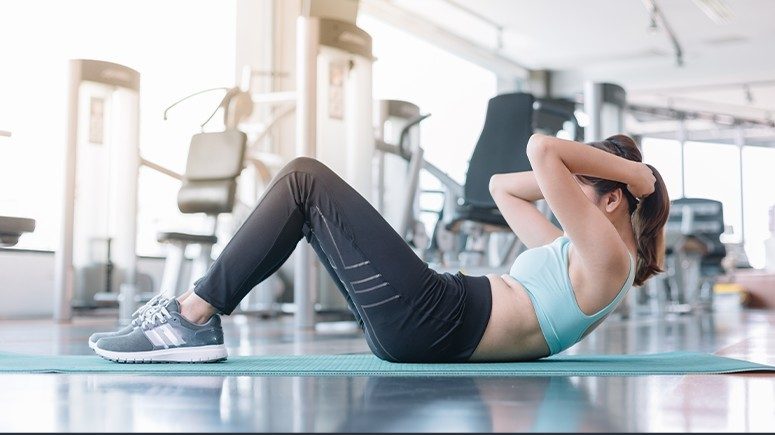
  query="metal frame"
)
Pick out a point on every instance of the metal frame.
point(416, 161)
point(657, 14)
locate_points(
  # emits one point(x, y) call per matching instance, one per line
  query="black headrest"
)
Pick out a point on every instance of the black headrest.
point(501, 146)
point(707, 225)
point(707, 214)
point(553, 115)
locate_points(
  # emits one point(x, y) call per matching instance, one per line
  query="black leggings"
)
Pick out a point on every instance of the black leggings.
point(408, 312)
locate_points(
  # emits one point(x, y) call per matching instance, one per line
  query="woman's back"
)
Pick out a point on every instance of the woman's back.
point(544, 273)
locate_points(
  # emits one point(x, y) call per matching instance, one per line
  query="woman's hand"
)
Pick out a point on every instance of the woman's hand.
point(643, 179)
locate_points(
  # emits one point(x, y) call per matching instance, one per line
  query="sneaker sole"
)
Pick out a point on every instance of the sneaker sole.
point(197, 354)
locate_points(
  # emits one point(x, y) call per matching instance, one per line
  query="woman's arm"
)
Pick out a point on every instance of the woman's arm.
point(514, 194)
point(586, 160)
point(555, 161)
point(522, 185)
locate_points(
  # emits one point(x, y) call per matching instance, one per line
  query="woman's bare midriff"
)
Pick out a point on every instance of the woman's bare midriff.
point(513, 332)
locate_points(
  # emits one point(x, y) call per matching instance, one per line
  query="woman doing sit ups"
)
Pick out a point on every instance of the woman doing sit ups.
point(611, 206)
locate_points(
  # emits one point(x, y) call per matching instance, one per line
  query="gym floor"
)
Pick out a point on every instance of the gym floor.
point(744, 403)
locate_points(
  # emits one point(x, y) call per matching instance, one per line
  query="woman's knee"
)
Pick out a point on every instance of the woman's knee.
point(306, 165)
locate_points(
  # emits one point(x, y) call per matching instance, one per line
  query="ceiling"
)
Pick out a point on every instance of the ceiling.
point(729, 68)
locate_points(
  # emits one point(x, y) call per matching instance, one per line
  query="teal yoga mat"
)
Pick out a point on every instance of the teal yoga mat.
point(673, 363)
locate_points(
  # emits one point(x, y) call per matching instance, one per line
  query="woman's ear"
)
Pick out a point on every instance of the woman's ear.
point(613, 199)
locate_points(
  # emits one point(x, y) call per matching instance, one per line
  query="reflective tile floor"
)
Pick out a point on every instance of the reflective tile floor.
point(733, 403)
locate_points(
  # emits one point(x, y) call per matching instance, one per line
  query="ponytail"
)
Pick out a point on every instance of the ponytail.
point(648, 221)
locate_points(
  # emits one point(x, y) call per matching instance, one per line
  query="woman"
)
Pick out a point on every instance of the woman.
point(612, 207)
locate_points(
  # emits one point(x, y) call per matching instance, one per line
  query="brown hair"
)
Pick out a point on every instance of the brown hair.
point(649, 215)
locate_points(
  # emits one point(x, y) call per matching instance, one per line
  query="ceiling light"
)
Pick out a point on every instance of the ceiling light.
point(716, 10)
point(653, 27)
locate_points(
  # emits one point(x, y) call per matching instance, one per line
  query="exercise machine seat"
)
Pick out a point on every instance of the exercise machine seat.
point(481, 215)
point(501, 148)
point(209, 185)
point(201, 239)
point(11, 228)
point(207, 196)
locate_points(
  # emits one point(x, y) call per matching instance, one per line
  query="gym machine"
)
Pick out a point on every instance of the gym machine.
point(471, 233)
point(399, 158)
point(333, 122)
point(694, 255)
point(333, 109)
point(100, 186)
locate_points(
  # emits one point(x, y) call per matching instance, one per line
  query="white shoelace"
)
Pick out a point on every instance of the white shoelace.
point(140, 314)
point(155, 316)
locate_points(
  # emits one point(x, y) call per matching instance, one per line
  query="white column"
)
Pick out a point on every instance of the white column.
point(305, 268)
point(740, 142)
point(125, 162)
point(63, 275)
point(682, 144)
point(593, 105)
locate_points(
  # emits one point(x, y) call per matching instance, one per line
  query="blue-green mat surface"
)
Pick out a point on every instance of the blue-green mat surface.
point(673, 363)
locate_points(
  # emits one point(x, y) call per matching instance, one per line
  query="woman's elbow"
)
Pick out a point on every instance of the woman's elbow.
point(495, 184)
point(537, 147)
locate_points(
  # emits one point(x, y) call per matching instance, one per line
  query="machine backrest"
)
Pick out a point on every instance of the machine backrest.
point(215, 160)
point(707, 222)
point(501, 147)
point(553, 114)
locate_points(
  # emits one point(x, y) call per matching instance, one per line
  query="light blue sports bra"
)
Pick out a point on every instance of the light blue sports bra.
point(543, 271)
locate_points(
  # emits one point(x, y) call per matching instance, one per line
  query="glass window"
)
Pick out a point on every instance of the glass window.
point(712, 171)
point(178, 46)
point(665, 155)
point(758, 197)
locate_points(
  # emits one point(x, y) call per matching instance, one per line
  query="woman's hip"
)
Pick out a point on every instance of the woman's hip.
point(440, 324)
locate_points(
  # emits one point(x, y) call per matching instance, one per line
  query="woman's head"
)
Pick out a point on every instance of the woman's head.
point(648, 216)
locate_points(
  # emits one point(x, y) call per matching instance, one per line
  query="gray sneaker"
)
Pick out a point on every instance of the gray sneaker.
point(165, 336)
point(137, 318)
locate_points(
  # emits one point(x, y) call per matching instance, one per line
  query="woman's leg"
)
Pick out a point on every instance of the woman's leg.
point(400, 302)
